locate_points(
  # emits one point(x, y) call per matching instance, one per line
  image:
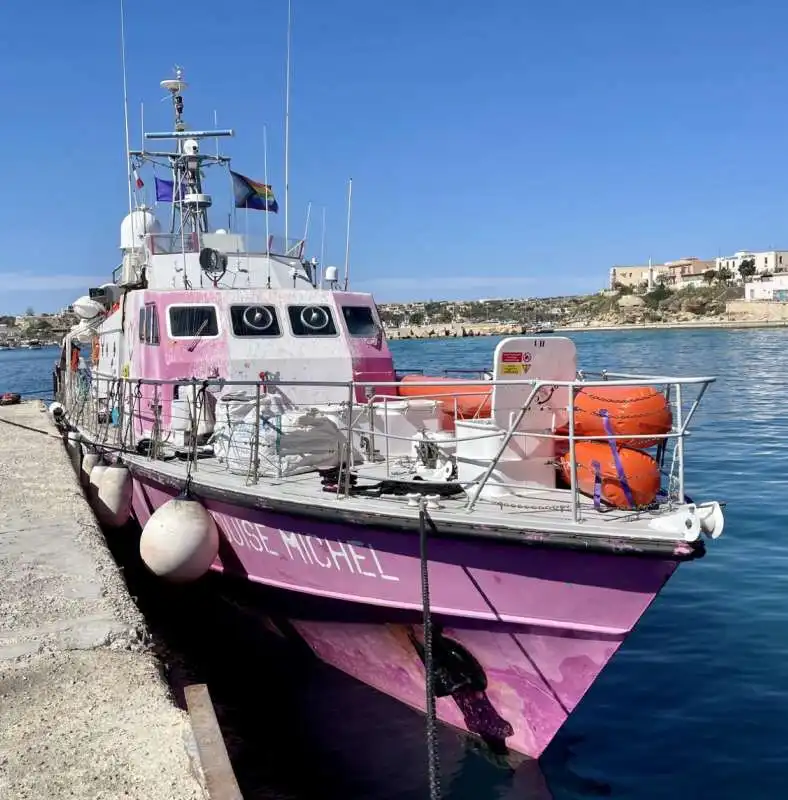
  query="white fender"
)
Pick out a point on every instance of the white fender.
point(74, 449)
point(113, 500)
point(96, 474)
point(180, 541)
point(89, 463)
point(711, 519)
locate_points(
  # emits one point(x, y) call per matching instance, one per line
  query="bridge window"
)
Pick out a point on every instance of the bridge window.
point(188, 322)
point(360, 320)
point(311, 321)
point(149, 324)
point(254, 320)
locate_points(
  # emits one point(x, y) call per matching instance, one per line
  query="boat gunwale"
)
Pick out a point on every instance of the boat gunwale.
point(673, 549)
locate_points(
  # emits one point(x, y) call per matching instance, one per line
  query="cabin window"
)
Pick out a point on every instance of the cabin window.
point(149, 324)
point(360, 320)
point(188, 322)
point(254, 320)
point(311, 321)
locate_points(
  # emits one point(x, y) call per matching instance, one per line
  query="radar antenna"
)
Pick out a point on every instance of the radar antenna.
point(189, 203)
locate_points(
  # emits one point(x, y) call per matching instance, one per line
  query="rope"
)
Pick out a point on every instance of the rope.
point(433, 763)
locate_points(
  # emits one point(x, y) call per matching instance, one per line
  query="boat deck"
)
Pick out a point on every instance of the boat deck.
point(528, 514)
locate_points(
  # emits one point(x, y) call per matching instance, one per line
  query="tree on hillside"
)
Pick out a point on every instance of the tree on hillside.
point(709, 275)
point(747, 269)
point(10, 321)
point(724, 276)
point(29, 311)
point(416, 318)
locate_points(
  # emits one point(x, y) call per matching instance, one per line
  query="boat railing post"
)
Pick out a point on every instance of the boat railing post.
point(255, 452)
point(680, 441)
point(386, 434)
point(122, 416)
point(194, 424)
point(369, 392)
point(156, 438)
point(535, 386)
point(349, 445)
point(573, 456)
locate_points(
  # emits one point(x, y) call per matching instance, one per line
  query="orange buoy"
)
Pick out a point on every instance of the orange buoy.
point(602, 410)
point(471, 402)
point(95, 352)
point(624, 477)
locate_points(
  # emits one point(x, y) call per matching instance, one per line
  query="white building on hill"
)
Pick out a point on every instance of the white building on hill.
point(768, 261)
point(775, 288)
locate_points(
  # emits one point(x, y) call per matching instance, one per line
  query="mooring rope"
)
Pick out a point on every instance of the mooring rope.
point(433, 761)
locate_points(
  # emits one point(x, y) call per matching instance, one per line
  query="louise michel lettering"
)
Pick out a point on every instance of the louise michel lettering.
point(312, 550)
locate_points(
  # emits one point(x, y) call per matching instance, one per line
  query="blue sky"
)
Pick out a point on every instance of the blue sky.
point(501, 148)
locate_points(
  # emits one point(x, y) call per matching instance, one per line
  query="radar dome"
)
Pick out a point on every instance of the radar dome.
point(135, 226)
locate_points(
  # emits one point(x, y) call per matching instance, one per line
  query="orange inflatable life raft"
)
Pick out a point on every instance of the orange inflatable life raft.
point(622, 477)
point(471, 402)
point(604, 410)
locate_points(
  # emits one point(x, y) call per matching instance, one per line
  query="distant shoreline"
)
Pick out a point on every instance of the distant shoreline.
point(493, 329)
point(725, 323)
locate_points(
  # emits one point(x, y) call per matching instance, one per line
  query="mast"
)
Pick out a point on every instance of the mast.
point(190, 203)
point(125, 97)
point(287, 127)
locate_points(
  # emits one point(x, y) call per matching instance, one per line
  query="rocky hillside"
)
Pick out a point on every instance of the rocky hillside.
point(690, 304)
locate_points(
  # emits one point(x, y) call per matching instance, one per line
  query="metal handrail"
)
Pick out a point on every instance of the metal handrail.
point(97, 400)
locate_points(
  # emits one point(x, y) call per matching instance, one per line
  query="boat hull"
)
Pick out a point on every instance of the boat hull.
point(533, 627)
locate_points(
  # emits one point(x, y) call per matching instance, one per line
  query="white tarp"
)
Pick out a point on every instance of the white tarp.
point(291, 442)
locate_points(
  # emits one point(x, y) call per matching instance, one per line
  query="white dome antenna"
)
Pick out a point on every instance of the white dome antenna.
point(331, 277)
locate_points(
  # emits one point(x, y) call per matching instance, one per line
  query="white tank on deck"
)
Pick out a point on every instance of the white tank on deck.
point(136, 226)
point(180, 541)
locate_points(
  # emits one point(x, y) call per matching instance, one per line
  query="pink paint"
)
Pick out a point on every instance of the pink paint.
point(542, 623)
point(372, 359)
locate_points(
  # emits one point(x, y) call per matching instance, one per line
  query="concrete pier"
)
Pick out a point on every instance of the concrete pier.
point(84, 710)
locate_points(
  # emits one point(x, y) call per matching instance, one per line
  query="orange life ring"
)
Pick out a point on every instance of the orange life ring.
point(95, 351)
point(596, 463)
point(641, 410)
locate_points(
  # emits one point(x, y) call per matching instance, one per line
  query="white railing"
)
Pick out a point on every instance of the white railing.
point(121, 413)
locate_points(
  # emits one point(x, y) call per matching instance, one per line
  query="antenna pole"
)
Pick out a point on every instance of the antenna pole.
point(308, 215)
point(265, 178)
point(125, 96)
point(287, 124)
point(323, 248)
point(347, 234)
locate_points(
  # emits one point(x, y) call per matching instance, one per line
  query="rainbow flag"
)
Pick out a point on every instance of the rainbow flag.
point(251, 194)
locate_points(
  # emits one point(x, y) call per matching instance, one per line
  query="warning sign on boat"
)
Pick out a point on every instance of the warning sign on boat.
point(512, 358)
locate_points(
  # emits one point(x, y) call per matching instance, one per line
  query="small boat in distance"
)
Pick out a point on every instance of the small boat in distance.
point(476, 548)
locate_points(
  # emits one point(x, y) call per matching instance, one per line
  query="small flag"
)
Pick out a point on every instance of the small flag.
point(164, 190)
point(137, 179)
point(252, 194)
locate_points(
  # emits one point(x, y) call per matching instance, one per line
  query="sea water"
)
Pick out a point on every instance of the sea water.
point(694, 705)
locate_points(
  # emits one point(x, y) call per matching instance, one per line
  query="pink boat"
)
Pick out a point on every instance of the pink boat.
point(245, 410)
